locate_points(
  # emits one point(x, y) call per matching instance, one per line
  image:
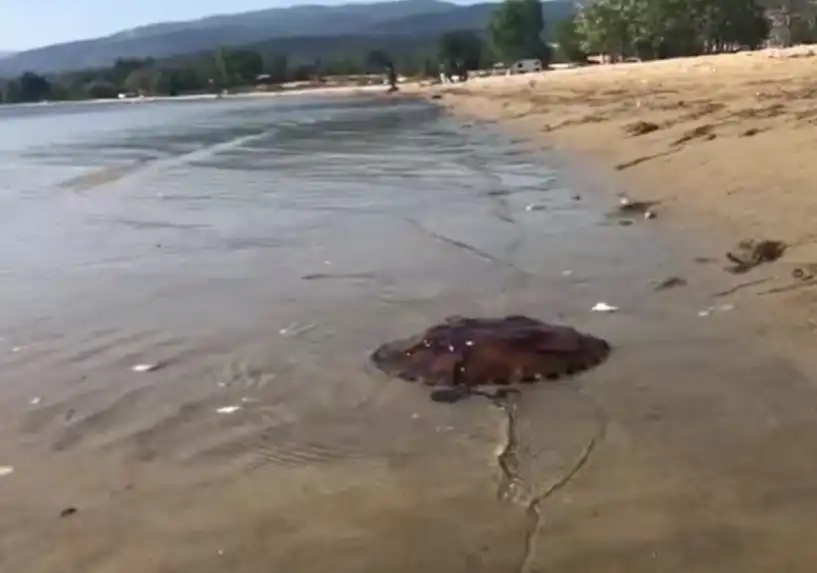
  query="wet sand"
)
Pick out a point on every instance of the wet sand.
point(705, 462)
point(687, 450)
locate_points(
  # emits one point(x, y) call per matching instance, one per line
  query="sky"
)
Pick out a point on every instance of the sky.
point(26, 25)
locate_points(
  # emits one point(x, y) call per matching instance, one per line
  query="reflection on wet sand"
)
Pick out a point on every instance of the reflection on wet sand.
point(264, 438)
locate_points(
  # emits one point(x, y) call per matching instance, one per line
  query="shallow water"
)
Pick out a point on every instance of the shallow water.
point(257, 251)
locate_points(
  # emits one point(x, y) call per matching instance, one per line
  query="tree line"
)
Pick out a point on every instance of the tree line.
point(658, 29)
point(617, 29)
point(516, 30)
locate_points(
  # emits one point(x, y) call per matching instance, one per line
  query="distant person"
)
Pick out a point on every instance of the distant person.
point(392, 76)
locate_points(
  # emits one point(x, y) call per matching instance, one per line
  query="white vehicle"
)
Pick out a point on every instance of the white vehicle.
point(525, 66)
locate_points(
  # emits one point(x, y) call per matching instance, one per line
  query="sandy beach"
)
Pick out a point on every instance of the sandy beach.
point(256, 261)
point(723, 142)
point(728, 137)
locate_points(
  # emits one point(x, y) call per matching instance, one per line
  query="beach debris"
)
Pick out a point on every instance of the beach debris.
point(716, 308)
point(144, 367)
point(750, 253)
point(669, 283)
point(436, 96)
point(641, 128)
point(628, 207)
point(68, 512)
point(603, 307)
point(703, 132)
point(577, 197)
point(294, 329)
point(567, 273)
point(6, 471)
point(533, 207)
point(805, 272)
point(325, 276)
point(228, 409)
point(35, 400)
point(17, 349)
point(741, 286)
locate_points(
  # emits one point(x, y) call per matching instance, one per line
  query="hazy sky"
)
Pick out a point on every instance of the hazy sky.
point(26, 25)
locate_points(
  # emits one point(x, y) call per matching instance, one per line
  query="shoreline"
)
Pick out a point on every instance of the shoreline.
point(683, 452)
point(720, 142)
point(699, 118)
point(325, 90)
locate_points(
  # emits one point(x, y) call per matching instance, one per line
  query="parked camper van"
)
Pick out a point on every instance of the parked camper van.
point(525, 66)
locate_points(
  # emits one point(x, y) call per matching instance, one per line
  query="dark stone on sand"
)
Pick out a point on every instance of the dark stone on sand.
point(628, 209)
point(669, 283)
point(636, 207)
point(750, 253)
point(807, 272)
point(436, 96)
point(641, 128)
point(466, 353)
point(68, 511)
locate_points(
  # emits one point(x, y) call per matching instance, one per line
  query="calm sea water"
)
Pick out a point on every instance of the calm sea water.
point(248, 246)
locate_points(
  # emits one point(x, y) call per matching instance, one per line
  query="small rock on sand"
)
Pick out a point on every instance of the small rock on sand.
point(669, 283)
point(641, 128)
point(144, 367)
point(750, 253)
point(228, 409)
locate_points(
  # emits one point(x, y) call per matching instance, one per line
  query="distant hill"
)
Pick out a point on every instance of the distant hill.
point(474, 17)
point(5, 54)
point(336, 25)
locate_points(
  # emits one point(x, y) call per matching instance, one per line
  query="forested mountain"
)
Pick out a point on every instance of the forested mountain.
point(289, 28)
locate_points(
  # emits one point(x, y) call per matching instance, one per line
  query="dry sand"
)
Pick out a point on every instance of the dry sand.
point(725, 143)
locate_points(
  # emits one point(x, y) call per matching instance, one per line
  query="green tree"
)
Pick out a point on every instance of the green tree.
point(516, 28)
point(101, 90)
point(141, 81)
point(223, 73)
point(461, 49)
point(245, 66)
point(669, 28)
point(277, 67)
point(569, 41)
point(377, 60)
point(29, 87)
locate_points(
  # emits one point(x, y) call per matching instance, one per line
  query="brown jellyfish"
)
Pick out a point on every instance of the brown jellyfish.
point(472, 352)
